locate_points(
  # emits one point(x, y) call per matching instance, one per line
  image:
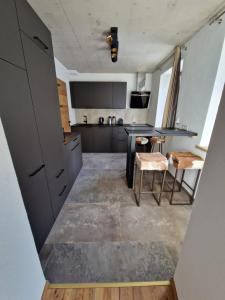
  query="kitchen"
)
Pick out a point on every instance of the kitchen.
point(87, 122)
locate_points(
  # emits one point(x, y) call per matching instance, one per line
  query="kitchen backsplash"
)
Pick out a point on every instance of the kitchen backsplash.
point(140, 116)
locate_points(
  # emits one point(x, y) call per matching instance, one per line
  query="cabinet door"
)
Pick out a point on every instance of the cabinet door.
point(42, 80)
point(18, 119)
point(119, 94)
point(102, 139)
point(11, 47)
point(80, 94)
point(119, 140)
point(101, 94)
point(78, 159)
point(87, 137)
point(37, 202)
point(32, 25)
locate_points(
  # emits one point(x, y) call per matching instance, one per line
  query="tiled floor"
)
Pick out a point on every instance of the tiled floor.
point(102, 236)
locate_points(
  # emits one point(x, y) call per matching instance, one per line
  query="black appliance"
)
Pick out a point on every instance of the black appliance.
point(139, 99)
point(101, 121)
point(120, 122)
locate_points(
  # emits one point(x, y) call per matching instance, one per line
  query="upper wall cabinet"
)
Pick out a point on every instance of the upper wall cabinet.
point(98, 94)
point(32, 25)
point(11, 47)
point(119, 94)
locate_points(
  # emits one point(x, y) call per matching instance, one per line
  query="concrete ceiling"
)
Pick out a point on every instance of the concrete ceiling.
point(148, 30)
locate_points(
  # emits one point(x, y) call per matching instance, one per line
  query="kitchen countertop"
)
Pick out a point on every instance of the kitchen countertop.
point(68, 137)
point(107, 125)
point(156, 131)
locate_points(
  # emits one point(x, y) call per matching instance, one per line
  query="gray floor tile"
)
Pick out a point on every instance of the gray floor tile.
point(86, 223)
point(101, 235)
point(109, 262)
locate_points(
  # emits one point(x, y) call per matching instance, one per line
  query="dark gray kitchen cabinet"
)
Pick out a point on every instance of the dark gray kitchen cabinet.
point(119, 94)
point(42, 80)
point(119, 140)
point(102, 139)
point(11, 47)
point(59, 188)
point(38, 205)
point(32, 25)
point(87, 137)
point(81, 94)
point(18, 119)
point(101, 94)
point(17, 114)
point(98, 94)
point(74, 161)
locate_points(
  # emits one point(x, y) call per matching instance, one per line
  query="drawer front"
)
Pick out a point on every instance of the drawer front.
point(33, 26)
point(74, 142)
point(59, 189)
point(74, 160)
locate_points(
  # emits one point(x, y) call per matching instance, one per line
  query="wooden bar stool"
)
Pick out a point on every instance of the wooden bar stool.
point(150, 162)
point(157, 140)
point(142, 141)
point(185, 161)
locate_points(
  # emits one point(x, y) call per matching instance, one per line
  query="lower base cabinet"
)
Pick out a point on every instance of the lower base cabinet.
point(73, 154)
point(102, 139)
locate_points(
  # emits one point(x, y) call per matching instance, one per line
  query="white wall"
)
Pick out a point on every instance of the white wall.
point(201, 60)
point(215, 101)
point(62, 73)
point(129, 115)
point(21, 276)
point(200, 273)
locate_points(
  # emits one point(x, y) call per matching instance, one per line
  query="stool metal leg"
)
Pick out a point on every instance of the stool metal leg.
point(153, 180)
point(158, 200)
point(195, 186)
point(140, 188)
point(182, 179)
point(134, 179)
point(173, 188)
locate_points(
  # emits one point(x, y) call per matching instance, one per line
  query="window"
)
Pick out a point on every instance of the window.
point(215, 101)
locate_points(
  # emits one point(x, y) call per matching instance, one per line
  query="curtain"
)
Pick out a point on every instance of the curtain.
point(169, 115)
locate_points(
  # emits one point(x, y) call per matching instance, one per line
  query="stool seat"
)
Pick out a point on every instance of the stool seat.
point(152, 161)
point(140, 140)
point(157, 140)
point(188, 162)
point(173, 154)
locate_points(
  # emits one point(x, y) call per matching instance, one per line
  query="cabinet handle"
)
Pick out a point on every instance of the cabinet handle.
point(60, 173)
point(75, 147)
point(36, 171)
point(63, 190)
point(40, 42)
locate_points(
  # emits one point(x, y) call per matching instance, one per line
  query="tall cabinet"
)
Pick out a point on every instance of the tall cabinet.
point(29, 110)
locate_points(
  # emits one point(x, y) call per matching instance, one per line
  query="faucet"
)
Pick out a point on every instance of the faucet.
point(85, 119)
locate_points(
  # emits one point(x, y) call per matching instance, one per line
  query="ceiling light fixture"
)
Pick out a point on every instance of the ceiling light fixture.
point(112, 40)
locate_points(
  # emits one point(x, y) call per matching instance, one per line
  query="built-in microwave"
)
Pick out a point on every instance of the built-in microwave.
point(139, 99)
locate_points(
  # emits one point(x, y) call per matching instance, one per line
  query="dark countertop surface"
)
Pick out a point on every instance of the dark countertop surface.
point(68, 137)
point(143, 129)
point(157, 131)
point(106, 125)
